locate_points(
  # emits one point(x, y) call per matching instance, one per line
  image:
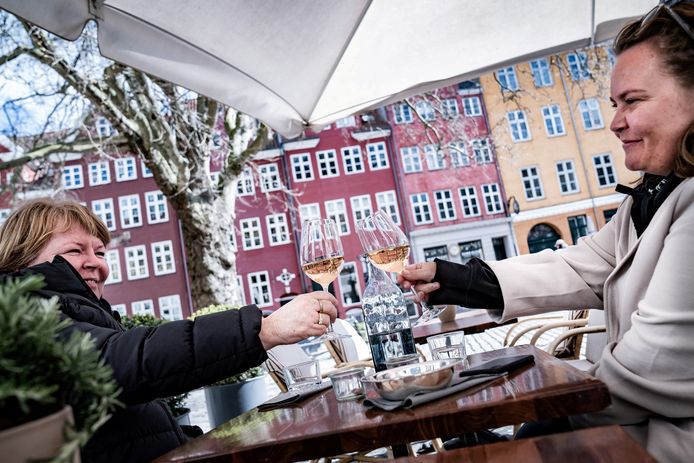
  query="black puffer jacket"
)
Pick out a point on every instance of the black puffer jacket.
point(151, 363)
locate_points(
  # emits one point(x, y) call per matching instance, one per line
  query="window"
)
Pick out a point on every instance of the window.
point(244, 183)
point(440, 252)
point(352, 161)
point(554, 124)
point(136, 262)
point(301, 167)
point(120, 308)
point(481, 151)
point(163, 257)
point(507, 78)
point(492, 198)
point(590, 114)
point(130, 215)
point(470, 249)
point(434, 157)
point(99, 173)
point(241, 296)
point(472, 106)
point(421, 210)
point(608, 214)
point(578, 225)
point(327, 164)
point(309, 211)
point(146, 171)
point(348, 121)
point(214, 178)
point(425, 110)
point(103, 127)
point(145, 307)
point(349, 284)
point(402, 114)
point(531, 183)
point(378, 156)
point(387, 201)
point(259, 286)
point(113, 261)
point(542, 76)
point(72, 177)
point(604, 169)
point(578, 66)
point(450, 108)
point(170, 307)
point(4, 214)
point(444, 205)
point(277, 229)
point(361, 207)
point(458, 154)
point(566, 174)
point(518, 125)
point(103, 208)
point(157, 210)
point(250, 233)
point(411, 162)
point(337, 210)
point(125, 169)
point(468, 199)
point(269, 177)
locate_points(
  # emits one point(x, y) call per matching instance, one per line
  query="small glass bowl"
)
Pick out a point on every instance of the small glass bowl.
point(347, 383)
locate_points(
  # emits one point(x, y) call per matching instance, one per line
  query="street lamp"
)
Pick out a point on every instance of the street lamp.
point(512, 205)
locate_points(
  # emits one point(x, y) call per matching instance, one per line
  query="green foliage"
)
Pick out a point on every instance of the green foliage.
point(252, 372)
point(40, 371)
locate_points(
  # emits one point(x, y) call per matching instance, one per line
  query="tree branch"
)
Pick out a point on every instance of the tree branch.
point(59, 147)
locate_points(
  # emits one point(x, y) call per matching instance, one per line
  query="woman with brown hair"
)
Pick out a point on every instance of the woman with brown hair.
point(66, 243)
point(638, 266)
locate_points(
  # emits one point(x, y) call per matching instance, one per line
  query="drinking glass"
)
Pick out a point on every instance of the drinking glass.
point(302, 376)
point(447, 346)
point(388, 249)
point(321, 259)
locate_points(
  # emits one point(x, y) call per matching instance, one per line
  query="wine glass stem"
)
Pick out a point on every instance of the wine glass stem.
point(425, 306)
point(330, 324)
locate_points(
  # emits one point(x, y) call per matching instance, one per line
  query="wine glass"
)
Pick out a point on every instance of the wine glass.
point(321, 259)
point(388, 249)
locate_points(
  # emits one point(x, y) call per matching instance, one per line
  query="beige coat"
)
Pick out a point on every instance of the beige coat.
point(646, 287)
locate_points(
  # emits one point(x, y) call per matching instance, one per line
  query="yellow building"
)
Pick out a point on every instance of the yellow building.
point(558, 159)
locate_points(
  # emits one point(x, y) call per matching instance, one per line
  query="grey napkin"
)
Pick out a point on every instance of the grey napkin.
point(290, 397)
point(418, 398)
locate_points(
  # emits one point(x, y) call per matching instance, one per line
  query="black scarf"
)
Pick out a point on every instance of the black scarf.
point(648, 196)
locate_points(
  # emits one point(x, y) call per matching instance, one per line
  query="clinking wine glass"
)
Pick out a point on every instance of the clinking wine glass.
point(321, 259)
point(388, 249)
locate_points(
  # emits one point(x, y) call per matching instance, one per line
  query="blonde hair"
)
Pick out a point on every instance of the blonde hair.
point(28, 229)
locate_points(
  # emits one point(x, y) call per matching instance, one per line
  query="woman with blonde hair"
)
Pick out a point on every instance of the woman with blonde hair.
point(66, 243)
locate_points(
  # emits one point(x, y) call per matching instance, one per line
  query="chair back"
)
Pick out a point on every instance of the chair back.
point(281, 356)
point(595, 342)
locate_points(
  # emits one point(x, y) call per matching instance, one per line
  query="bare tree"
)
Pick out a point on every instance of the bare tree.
point(175, 132)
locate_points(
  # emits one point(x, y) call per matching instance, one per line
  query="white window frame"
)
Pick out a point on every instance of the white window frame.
point(553, 120)
point(421, 208)
point(302, 167)
point(388, 201)
point(445, 206)
point(269, 177)
point(469, 202)
point(258, 282)
point(425, 110)
point(402, 113)
point(352, 160)
point(604, 163)
point(378, 156)
point(591, 116)
point(327, 164)
point(245, 186)
point(336, 209)
point(251, 233)
point(507, 78)
point(73, 177)
point(277, 229)
point(239, 287)
point(457, 152)
point(481, 151)
point(345, 291)
point(99, 173)
point(532, 182)
point(411, 160)
point(136, 264)
point(492, 198)
point(173, 304)
point(518, 125)
point(115, 275)
point(121, 309)
point(4, 214)
point(104, 209)
point(472, 106)
point(542, 74)
point(349, 121)
point(103, 127)
point(126, 169)
point(566, 177)
point(157, 207)
point(578, 66)
point(146, 171)
point(361, 207)
point(309, 211)
point(130, 211)
point(449, 107)
point(163, 257)
point(435, 158)
point(143, 307)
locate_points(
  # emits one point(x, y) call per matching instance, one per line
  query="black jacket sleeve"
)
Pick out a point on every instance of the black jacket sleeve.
point(471, 285)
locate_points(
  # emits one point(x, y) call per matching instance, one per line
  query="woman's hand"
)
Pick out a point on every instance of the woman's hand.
point(419, 276)
point(306, 315)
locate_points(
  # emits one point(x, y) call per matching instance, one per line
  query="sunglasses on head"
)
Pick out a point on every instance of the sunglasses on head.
point(666, 5)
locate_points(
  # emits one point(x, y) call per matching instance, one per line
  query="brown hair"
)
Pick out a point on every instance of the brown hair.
point(676, 48)
point(28, 229)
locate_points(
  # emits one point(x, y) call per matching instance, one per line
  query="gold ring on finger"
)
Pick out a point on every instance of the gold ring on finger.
point(320, 318)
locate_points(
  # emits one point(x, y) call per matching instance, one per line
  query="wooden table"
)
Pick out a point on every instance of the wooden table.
point(607, 444)
point(322, 426)
point(474, 321)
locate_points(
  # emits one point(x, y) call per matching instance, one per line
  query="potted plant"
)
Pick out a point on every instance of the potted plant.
point(42, 375)
point(237, 394)
point(176, 403)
